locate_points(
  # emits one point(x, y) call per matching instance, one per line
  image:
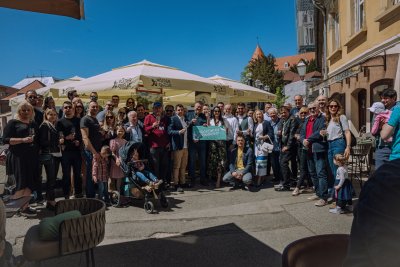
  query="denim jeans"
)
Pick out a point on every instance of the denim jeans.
point(228, 178)
point(336, 146)
point(198, 148)
point(276, 167)
point(146, 176)
point(90, 190)
point(318, 172)
point(71, 159)
point(103, 191)
point(382, 156)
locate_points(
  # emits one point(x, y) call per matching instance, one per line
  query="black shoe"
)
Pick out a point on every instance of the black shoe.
point(235, 187)
point(204, 183)
point(283, 188)
point(244, 187)
point(29, 212)
point(185, 185)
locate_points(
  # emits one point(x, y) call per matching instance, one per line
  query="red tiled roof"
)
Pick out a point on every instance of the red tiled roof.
point(290, 76)
point(313, 74)
point(32, 86)
point(292, 60)
point(258, 53)
point(7, 90)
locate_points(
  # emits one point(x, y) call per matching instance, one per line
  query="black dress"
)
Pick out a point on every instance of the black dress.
point(22, 159)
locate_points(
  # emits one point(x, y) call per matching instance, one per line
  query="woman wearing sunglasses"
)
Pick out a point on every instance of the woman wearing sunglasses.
point(337, 134)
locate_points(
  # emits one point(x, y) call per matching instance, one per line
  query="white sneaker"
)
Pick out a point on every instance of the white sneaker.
point(314, 197)
point(336, 210)
point(296, 192)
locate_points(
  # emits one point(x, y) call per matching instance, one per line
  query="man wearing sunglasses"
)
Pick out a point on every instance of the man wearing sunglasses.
point(32, 98)
point(317, 151)
point(69, 125)
point(101, 115)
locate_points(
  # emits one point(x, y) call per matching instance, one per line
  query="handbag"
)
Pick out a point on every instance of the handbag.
point(353, 141)
point(267, 147)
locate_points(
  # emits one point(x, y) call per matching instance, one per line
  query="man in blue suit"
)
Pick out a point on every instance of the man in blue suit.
point(241, 165)
point(177, 130)
point(198, 147)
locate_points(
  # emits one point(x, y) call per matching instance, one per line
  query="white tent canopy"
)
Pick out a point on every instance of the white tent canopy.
point(46, 90)
point(146, 76)
point(243, 92)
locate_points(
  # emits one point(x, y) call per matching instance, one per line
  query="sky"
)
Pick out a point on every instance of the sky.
point(205, 37)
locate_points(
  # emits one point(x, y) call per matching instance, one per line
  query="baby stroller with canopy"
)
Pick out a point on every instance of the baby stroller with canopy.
point(134, 188)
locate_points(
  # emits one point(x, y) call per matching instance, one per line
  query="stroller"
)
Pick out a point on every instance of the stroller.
point(133, 188)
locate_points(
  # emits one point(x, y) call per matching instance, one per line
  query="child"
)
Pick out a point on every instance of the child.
point(144, 175)
point(101, 173)
point(381, 116)
point(116, 173)
point(343, 187)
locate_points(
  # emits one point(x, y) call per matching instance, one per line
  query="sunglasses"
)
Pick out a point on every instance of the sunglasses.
point(312, 108)
point(303, 112)
point(67, 107)
point(32, 97)
point(169, 110)
point(333, 106)
point(109, 117)
point(130, 102)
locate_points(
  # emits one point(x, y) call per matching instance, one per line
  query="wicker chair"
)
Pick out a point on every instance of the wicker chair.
point(316, 251)
point(75, 235)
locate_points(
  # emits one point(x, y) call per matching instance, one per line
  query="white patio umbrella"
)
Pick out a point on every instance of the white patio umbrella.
point(52, 89)
point(146, 76)
point(243, 92)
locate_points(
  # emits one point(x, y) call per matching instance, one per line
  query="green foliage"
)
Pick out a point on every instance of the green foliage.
point(280, 97)
point(311, 66)
point(263, 69)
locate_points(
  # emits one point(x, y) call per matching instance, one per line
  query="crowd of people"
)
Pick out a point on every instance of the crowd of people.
point(308, 147)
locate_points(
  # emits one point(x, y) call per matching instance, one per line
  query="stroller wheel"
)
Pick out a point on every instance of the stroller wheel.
point(115, 198)
point(164, 201)
point(148, 207)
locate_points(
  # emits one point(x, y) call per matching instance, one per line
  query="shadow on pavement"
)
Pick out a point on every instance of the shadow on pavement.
point(224, 245)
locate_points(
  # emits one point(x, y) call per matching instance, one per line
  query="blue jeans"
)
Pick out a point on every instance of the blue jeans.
point(103, 191)
point(382, 156)
point(198, 148)
point(90, 191)
point(319, 173)
point(336, 146)
point(146, 176)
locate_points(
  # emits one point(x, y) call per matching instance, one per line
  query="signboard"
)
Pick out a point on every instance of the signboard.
point(209, 132)
point(337, 78)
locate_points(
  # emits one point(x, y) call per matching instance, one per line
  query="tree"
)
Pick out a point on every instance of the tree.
point(311, 66)
point(263, 69)
point(280, 97)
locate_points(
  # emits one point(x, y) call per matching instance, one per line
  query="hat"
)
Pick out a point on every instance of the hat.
point(157, 104)
point(377, 107)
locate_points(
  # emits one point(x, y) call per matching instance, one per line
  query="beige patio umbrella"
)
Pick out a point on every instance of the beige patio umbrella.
point(243, 92)
point(68, 8)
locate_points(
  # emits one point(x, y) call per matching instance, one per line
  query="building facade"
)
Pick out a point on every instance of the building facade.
point(363, 48)
point(305, 26)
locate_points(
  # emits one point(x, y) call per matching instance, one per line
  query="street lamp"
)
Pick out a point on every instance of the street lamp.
point(301, 69)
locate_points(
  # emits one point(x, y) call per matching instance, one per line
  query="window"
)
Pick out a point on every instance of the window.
point(359, 15)
point(286, 65)
point(393, 3)
point(309, 36)
point(335, 32)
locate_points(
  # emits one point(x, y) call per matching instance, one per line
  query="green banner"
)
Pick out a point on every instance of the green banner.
point(209, 132)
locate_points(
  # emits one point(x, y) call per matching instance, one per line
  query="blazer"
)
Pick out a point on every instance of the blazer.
point(177, 139)
point(248, 158)
point(315, 138)
point(267, 130)
point(289, 128)
point(201, 119)
point(128, 133)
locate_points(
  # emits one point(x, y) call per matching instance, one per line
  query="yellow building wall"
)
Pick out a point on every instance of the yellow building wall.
point(375, 36)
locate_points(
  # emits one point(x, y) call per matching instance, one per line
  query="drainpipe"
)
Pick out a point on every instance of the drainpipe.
point(321, 7)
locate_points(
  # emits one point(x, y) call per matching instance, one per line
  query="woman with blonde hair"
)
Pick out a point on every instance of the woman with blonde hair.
point(337, 134)
point(22, 157)
point(50, 154)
